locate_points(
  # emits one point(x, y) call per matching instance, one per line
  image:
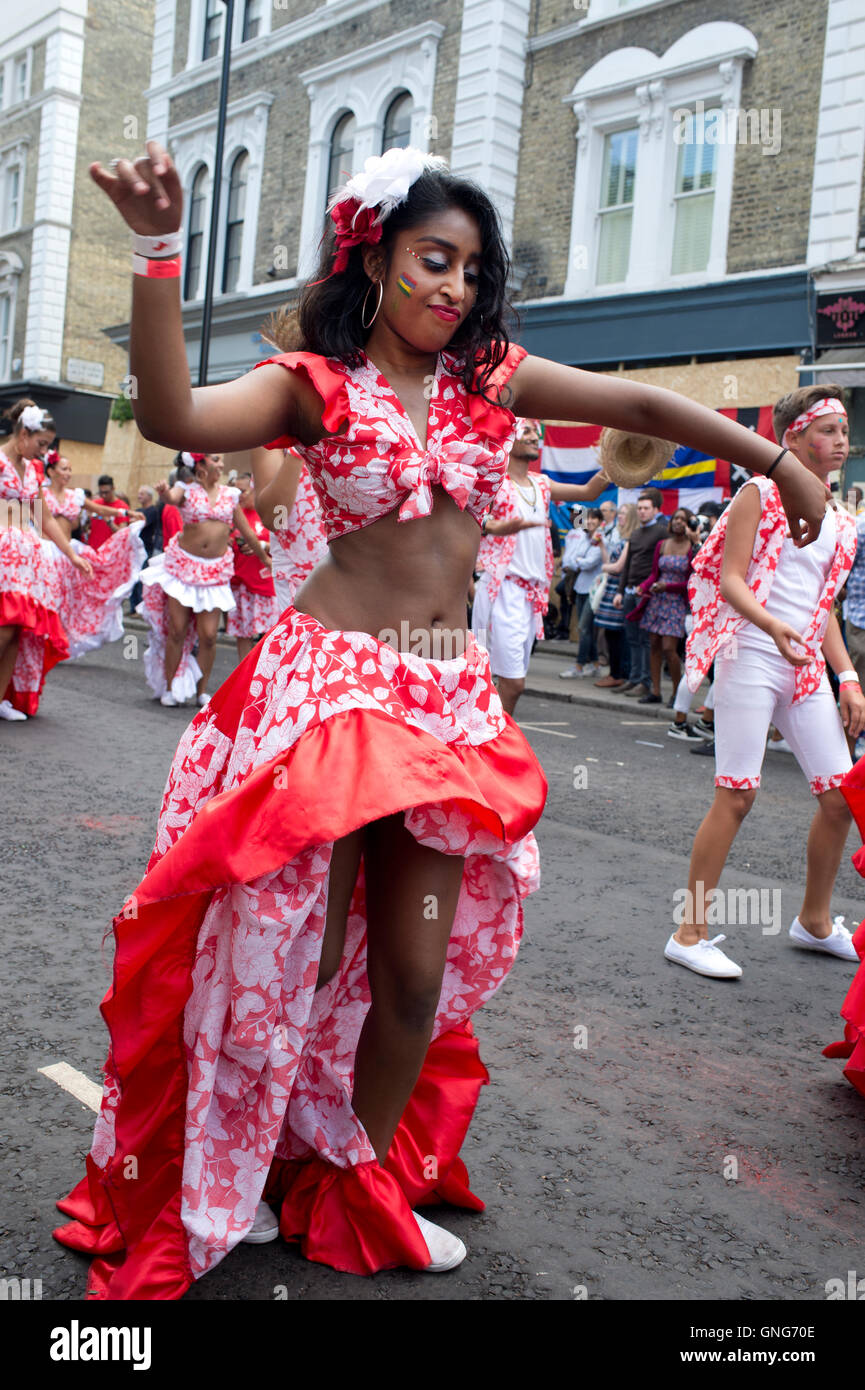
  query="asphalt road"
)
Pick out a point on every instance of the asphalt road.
point(648, 1134)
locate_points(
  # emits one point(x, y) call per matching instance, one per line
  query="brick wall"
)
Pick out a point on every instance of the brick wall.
point(771, 193)
point(112, 124)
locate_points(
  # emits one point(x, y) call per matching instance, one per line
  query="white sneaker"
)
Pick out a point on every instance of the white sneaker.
point(572, 673)
point(203, 700)
point(447, 1251)
point(840, 943)
point(704, 958)
point(779, 745)
point(591, 669)
point(168, 699)
point(7, 712)
point(265, 1227)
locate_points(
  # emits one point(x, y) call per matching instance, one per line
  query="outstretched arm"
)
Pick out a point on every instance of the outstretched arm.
point(229, 418)
point(547, 390)
point(579, 492)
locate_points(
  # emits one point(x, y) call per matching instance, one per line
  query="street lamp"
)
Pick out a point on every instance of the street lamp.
point(217, 186)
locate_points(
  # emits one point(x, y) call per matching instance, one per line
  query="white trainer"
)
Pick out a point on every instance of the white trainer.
point(168, 699)
point(7, 712)
point(203, 700)
point(265, 1227)
point(571, 673)
point(704, 958)
point(447, 1251)
point(840, 943)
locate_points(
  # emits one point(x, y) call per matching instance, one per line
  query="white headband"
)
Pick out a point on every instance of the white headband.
point(31, 417)
point(828, 406)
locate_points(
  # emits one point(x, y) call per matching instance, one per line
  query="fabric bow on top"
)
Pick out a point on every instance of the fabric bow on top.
point(453, 467)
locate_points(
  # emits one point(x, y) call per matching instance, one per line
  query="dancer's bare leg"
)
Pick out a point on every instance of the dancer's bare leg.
point(509, 692)
point(712, 844)
point(411, 899)
point(208, 630)
point(244, 647)
point(826, 841)
point(179, 617)
point(344, 862)
point(9, 638)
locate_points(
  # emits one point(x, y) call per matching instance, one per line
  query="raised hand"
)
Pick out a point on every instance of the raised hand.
point(146, 191)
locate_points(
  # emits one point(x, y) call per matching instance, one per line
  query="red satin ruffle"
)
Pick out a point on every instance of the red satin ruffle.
point(853, 1008)
point(21, 610)
point(340, 775)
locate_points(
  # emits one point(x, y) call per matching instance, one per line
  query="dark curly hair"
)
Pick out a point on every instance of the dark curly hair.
point(327, 319)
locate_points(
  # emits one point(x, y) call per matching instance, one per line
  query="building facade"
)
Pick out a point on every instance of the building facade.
point(64, 270)
point(680, 183)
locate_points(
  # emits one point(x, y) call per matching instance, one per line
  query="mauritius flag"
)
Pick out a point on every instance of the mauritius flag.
point(689, 479)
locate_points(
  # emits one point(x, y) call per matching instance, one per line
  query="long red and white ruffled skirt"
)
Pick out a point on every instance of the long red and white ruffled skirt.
point(229, 1077)
point(30, 595)
point(853, 1008)
point(199, 584)
point(253, 613)
point(91, 608)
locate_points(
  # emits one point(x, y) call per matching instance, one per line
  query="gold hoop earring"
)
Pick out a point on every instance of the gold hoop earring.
point(377, 307)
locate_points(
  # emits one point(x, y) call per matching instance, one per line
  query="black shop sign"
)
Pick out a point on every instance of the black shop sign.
point(841, 319)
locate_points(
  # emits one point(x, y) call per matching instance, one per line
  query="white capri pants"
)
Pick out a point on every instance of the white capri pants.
point(754, 689)
point(506, 628)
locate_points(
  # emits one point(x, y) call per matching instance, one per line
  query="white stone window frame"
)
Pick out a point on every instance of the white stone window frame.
point(9, 67)
point(632, 86)
point(364, 83)
point(10, 157)
point(11, 267)
point(197, 13)
point(193, 143)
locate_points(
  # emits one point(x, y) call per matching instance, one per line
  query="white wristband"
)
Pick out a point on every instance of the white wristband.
point(155, 247)
point(847, 676)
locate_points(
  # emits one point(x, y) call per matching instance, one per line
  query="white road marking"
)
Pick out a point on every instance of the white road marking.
point(540, 729)
point(547, 723)
point(646, 744)
point(76, 1083)
point(632, 723)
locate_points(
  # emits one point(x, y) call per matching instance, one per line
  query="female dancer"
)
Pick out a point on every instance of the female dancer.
point(192, 578)
point(287, 503)
point(666, 591)
point(346, 834)
point(32, 639)
point(92, 608)
point(251, 584)
point(753, 596)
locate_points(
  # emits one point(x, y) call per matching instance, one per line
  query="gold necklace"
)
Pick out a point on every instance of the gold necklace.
point(532, 500)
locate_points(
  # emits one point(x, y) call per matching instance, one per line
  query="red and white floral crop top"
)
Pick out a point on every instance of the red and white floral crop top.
point(197, 506)
point(12, 489)
point(378, 463)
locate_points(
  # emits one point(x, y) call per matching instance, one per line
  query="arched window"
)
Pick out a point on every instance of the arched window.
point(195, 233)
point(341, 152)
point(234, 224)
point(397, 122)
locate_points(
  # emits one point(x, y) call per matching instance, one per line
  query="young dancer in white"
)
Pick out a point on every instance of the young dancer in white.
point(763, 611)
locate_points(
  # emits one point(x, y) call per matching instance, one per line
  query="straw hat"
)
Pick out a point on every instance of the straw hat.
point(631, 460)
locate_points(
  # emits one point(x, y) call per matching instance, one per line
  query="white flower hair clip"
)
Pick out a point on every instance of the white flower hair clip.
point(361, 205)
point(31, 417)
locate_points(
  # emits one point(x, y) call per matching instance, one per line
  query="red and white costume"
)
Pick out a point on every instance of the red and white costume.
point(30, 592)
point(301, 545)
point(197, 583)
point(252, 586)
point(754, 685)
point(512, 593)
point(91, 609)
point(228, 1076)
point(853, 1008)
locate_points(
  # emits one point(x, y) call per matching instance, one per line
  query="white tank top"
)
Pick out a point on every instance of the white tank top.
point(530, 552)
point(797, 586)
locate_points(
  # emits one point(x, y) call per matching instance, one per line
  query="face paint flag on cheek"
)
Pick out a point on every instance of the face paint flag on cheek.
point(406, 284)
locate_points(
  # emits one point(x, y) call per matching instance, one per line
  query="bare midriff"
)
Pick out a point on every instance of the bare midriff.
point(206, 539)
point(403, 582)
